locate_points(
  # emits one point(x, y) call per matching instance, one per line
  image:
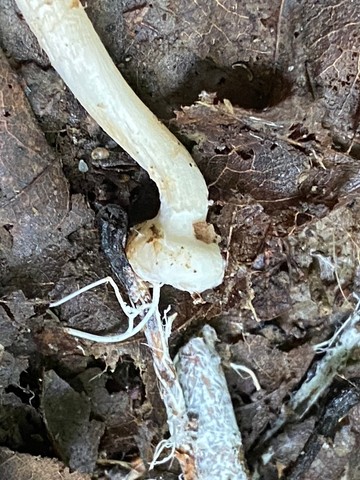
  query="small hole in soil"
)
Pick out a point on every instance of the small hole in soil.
point(302, 218)
point(248, 86)
point(125, 378)
point(27, 390)
point(284, 267)
point(245, 154)
point(25, 395)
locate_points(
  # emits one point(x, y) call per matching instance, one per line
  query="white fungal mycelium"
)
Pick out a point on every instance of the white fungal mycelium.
point(146, 310)
point(177, 247)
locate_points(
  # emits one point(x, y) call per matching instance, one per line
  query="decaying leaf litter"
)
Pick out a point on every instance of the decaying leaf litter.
point(281, 161)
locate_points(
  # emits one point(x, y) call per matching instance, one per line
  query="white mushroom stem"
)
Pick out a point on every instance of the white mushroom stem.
point(178, 247)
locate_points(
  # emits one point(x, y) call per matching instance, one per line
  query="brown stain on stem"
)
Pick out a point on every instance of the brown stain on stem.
point(205, 232)
point(74, 4)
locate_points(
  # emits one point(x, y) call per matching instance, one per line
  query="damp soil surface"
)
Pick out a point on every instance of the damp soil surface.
point(265, 95)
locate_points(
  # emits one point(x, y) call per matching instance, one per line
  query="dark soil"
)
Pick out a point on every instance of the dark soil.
point(266, 96)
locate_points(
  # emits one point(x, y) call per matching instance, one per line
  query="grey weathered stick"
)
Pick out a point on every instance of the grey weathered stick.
point(212, 430)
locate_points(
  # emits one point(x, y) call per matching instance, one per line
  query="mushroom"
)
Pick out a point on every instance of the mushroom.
point(177, 247)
